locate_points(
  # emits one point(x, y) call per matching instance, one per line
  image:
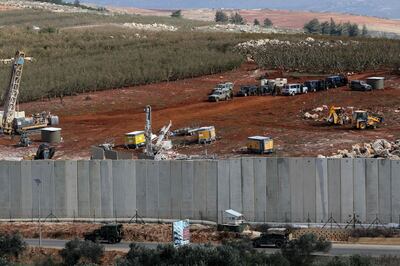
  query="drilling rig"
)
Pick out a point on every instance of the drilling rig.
point(11, 121)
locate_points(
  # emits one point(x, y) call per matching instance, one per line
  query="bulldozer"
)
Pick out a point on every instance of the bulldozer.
point(363, 119)
point(337, 116)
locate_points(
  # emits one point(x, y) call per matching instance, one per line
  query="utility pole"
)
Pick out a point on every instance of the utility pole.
point(148, 133)
point(38, 183)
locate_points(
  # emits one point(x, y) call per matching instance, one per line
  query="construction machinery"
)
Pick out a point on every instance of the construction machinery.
point(337, 116)
point(363, 119)
point(135, 139)
point(260, 144)
point(206, 135)
point(13, 122)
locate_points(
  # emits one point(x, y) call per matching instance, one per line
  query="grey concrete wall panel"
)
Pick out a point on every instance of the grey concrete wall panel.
point(334, 188)
point(164, 188)
point(284, 195)
point(187, 189)
point(96, 153)
point(176, 189)
point(72, 187)
point(125, 156)
point(15, 189)
point(296, 189)
point(152, 189)
point(111, 155)
point(260, 189)
point(309, 189)
point(141, 176)
point(26, 189)
point(223, 187)
point(248, 188)
point(4, 190)
point(107, 204)
point(272, 190)
point(124, 190)
point(235, 184)
point(321, 190)
point(346, 188)
point(95, 188)
point(60, 189)
point(212, 192)
point(372, 189)
point(199, 189)
point(43, 170)
point(395, 187)
point(83, 176)
point(384, 187)
point(359, 189)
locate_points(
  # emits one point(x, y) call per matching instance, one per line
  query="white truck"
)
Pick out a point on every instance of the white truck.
point(293, 89)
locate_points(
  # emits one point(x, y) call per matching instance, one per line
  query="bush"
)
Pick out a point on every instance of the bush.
point(4, 262)
point(11, 245)
point(373, 232)
point(47, 261)
point(234, 253)
point(221, 16)
point(76, 249)
point(268, 23)
point(299, 251)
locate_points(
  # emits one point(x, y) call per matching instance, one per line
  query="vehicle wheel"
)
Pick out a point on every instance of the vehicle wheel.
point(278, 244)
point(363, 125)
point(112, 240)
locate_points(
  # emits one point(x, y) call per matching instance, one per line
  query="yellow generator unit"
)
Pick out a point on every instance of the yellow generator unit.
point(259, 144)
point(135, 139)
point(206, 134)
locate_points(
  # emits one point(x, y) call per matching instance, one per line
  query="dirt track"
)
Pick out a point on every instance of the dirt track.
point(91, 118)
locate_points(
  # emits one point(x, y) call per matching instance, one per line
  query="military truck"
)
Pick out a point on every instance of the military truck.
point(274, 237)
point(111, 233)
point(315, 85)
point(336, 81)
point(359, 85)
point(248, 90)
point(293, 89)
point(222, 92)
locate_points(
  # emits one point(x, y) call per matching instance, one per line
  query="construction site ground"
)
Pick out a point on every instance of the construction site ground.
point(91, 118)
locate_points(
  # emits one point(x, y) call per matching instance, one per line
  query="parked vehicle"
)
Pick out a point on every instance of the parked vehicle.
point(359, 85)
point(247, 90)
point(220, 95)
point(112, 233)
point(293, 89)
point(315, 85)
point(336, 81)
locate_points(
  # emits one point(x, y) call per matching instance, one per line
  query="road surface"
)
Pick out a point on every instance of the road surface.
point(337, 249)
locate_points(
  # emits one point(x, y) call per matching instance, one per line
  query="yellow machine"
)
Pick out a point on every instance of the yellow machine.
point(135, 139)
point(206, 135)
point(337, 116)
point(259, 144)
point(362, 120)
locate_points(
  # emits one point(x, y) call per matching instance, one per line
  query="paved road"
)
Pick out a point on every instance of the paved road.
point(337, 249)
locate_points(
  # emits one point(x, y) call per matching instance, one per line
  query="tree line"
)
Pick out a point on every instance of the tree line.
point(236, 18)
point(332, 28)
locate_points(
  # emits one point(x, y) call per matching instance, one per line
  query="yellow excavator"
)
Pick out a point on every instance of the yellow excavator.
point(363, 119)
point(337, 116)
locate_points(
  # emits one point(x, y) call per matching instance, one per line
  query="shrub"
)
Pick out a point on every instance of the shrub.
point(234, 253)
point(299, 251)
point(47, 261)
point(357, 260)
point(11, 245)
point(76, 249)
point(4, 262)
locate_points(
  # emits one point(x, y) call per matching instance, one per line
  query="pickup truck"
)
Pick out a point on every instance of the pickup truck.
point(247, 90)
point(293, 89)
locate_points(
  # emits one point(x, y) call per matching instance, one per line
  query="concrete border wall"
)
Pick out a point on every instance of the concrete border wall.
point(263, 189)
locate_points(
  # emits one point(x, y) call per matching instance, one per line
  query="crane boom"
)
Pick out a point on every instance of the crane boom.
point(10, 101)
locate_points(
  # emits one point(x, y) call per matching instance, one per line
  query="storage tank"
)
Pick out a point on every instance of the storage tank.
point(377, 83)
point(51, 134)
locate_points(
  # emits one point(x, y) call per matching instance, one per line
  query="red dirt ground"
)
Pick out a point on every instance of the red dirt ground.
point(89, 119)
